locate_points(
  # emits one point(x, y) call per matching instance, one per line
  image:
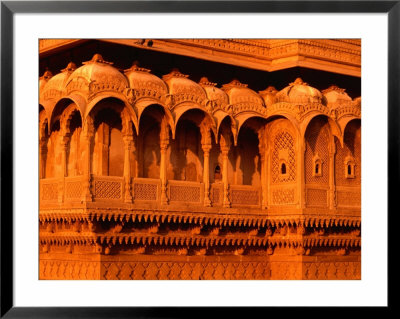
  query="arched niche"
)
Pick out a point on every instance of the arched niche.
point(149, 141)
point(225, 135)
point(185, 153)
point(53, 167)
point(247, 152)
point(108, 146)
point(318, 141)
point(348, 157)
point(75, 150)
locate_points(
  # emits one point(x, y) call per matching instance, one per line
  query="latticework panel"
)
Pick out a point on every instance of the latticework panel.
point(348, 199)
point(184, 193)
point(245, 197)
point(283, 141)
point(49, 191)
point(73, 189)
point(317, 139)
point(215, 195)
point(283, 196)
point(317, 197)
point(145, 191)
point(107, 189)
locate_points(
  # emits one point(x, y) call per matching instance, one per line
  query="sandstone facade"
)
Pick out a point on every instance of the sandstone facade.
point(163, 177)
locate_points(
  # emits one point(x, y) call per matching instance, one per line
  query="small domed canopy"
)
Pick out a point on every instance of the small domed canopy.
point(214, 94)
point(336, 96)
point(268, 95)
point(96, 75)
point(183, 88)
point(55, 86)
point(357, 101)
point(299, 92)
point(239, 93)
point(140, 79)
point(44, 79)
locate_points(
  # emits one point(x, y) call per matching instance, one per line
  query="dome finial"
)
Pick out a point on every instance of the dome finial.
point(70, 67)
point(298, 81)
point(47, 74)
point(97, 58)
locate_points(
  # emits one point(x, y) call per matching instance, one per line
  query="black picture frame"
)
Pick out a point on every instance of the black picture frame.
point(9, 8)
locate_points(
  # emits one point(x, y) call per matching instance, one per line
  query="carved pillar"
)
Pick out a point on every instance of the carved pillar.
point(64, 149)
point(262, 151)
point(225, 145)
point(42, 157)
point(88, 134)
point(64, 139)
point(301, 181)
point(206, 146)
point(164, 142)
point(332, 184)
point(129, 148)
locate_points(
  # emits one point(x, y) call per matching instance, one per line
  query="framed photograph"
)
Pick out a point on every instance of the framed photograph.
point(163, 155)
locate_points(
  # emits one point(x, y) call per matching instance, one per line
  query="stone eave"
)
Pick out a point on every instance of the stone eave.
point(336, 56)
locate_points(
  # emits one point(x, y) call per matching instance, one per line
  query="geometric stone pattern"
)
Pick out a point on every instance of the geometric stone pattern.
point(49, 191)
point(283, 196)
point(345, 198)
point(106, 189)
point(163, 270)
point(73, 189)
point(184, 193)
point(317, 138)
point(245, 197)
point(283, 141)
point(316, 197)
point(145, 191)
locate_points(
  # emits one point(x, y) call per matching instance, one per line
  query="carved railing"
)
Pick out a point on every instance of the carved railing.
point(317, 195)
point(283, 194)
point(348, 197)
point(146, 189)
point(73, 188)
point(245, 195)
point(49, 190)
point(185, 192)
point(108, 187)
point(216, 194)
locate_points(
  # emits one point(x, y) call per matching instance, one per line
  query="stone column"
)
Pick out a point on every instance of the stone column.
point(262, 151)
point(64, 149)
point(206, 173)
point(64, 139)
point(164, 142)
point(128, 149)
point(332, 184)
point(87, 136)
point(225, 145)
point(42, 157)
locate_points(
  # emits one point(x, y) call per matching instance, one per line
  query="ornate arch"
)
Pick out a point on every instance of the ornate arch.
point(106, 95)
point(73, 99)
point(182, 111)
point(334, 128)
point(66, 117)
point(168, 114)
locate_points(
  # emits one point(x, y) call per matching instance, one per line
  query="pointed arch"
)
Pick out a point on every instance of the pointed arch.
point(335, 129)
point(118, 96)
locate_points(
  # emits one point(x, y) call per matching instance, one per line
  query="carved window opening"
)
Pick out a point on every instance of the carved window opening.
point(283, 169)
point(349, 167)
point(317, 166)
